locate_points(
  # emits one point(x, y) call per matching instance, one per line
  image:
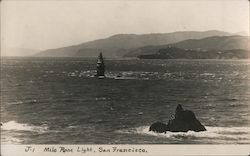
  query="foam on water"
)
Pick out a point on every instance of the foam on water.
point(12, 130)
point(15, 103)
point(10, 140)
point(145, 75)
point(14, 126)
point(208, 74)
point(220, 134)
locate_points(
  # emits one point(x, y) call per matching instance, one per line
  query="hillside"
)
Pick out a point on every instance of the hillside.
point(219, 43)
point(119, 45)
point(178, 53)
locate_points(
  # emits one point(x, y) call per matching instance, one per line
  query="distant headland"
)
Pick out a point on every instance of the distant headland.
point(182, 44)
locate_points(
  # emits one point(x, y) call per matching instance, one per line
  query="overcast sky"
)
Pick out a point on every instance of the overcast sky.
point(52, 24)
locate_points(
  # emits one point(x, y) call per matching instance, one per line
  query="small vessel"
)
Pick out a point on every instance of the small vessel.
point(100, 67)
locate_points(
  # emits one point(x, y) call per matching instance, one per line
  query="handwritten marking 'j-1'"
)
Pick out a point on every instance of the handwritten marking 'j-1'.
point(29, 149)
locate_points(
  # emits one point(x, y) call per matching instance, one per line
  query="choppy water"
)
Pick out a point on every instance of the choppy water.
point(50, 101)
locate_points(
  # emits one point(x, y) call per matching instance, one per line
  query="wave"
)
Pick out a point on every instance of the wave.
point(118, 75)
point(208, 74)
point(214, 134)
point(31, 101)
point(15, 103)
point(15, 126)
point(10, 140)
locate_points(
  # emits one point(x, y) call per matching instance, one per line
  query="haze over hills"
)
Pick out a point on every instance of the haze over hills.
point(121, 44)
point(18, 52)
point(242, 33)
point(219, 43)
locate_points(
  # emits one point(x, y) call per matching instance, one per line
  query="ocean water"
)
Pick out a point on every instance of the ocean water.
point(58, 101)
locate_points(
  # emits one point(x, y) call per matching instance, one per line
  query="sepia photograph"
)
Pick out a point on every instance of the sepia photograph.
point(124, 72)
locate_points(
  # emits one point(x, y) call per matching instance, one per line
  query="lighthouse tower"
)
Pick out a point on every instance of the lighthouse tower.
point(100, 67)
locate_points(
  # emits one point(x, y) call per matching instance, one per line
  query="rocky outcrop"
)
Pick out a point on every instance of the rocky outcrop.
point(158, 127)
point(183, 121)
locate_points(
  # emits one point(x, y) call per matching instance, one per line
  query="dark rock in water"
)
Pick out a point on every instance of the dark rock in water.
point(184, 120)
point(158, 127)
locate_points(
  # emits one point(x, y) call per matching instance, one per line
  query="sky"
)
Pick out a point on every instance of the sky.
point(51, 24)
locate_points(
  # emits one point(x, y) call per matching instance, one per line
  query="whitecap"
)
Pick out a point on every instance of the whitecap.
point(10, 140)
point(72, 127)
point(72, 74)
point(219, 134)
point(13, 125)
point(102, 98)
point(207, 74)
point(15, 103)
